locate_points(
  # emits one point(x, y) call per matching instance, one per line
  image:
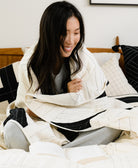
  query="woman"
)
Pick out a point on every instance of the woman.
point(59, 64)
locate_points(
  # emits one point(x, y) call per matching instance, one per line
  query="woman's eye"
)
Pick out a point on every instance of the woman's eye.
point(77, 33)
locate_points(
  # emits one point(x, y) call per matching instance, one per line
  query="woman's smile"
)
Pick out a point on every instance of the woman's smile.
point(72, 37)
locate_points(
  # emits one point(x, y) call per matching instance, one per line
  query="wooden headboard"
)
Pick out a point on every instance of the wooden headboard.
point(10, 55)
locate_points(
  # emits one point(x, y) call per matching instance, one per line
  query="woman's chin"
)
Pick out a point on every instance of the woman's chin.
point(66, 54)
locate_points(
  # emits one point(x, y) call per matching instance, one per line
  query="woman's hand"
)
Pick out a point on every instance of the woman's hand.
point(74, 85)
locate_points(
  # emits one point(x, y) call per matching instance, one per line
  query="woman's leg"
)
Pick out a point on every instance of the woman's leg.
point(102, 135)
point(14, 136)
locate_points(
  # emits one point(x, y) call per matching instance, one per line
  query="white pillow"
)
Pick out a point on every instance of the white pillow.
point(118, 84)
point(104, 57)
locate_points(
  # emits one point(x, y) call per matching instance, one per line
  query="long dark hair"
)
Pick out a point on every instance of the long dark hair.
point(47, 50)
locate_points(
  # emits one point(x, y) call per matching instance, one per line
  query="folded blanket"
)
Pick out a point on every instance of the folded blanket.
point(108, 112)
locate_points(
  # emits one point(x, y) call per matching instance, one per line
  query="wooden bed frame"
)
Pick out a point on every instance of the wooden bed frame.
point(10, 55)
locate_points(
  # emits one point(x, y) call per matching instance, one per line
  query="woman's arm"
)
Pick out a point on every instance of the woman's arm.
point(24, 83)
point(93, 80)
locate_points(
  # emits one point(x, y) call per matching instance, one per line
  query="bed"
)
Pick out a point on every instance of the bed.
point(122, 153)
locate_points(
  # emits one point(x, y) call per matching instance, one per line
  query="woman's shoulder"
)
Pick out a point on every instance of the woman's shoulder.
point(85, 55)
point(28, 53)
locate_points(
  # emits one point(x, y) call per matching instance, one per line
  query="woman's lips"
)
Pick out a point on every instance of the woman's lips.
point(67, 49)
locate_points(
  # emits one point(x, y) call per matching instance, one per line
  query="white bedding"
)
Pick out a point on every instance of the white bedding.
point(122, 153)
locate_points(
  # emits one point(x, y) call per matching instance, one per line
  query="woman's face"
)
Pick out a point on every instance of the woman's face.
point(72, 36)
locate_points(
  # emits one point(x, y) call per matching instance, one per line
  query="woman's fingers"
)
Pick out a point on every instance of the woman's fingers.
point(75, 81)
point(74, 85)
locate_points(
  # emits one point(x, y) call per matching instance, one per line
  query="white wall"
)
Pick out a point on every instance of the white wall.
point(19, 22)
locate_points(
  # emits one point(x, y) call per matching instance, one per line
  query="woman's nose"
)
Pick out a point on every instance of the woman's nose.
point(70, 39)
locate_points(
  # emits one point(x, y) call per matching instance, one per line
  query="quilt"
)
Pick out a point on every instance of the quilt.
point(120, 112)
point(122, 153)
